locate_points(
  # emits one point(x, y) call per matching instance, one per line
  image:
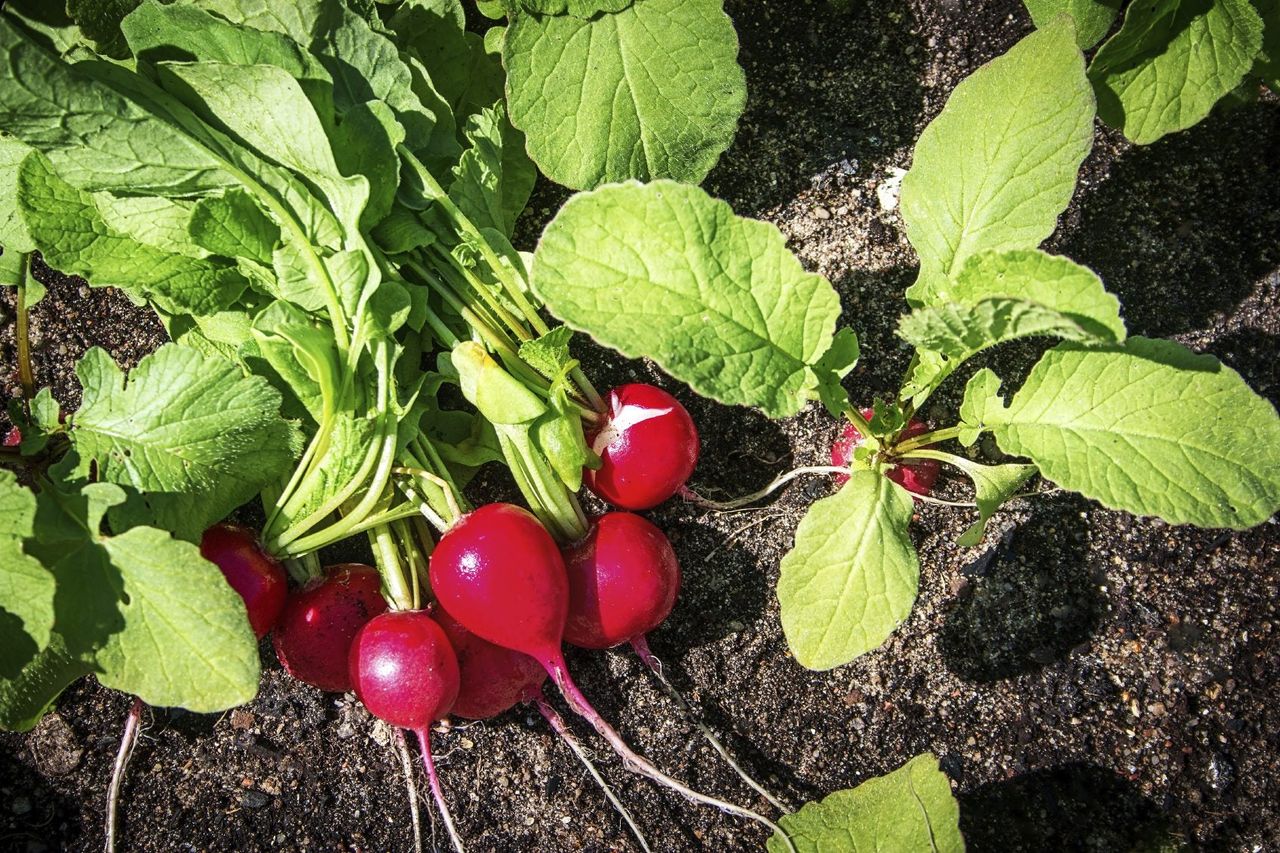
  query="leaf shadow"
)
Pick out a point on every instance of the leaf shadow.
point(1254, 354)
point(827, 90)
point(1028, 601)
point(1182, 230)
point(1073, 807)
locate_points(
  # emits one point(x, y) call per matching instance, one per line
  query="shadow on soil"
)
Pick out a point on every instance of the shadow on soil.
point(828, 93)
point(1182, 229)
point(1253, 354)
point(1069, 808)
point(30, 808)
point(1028, 601)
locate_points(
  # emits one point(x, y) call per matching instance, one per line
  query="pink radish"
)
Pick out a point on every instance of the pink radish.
point(492, 679)
point(12, 437)
point(623, 580)
point(917, 476)
point(250, 571)
point(320, 620)
point(405, 672)
point(648, 447)
point(499, 573)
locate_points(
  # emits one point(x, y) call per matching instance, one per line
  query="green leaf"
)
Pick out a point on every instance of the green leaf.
point(25, 698)
point(26, 587)
point(13, 233)
point(1004, 296)
point(833, 367)
point(998, 164)
point(491, 186)
point(499, 396)
point(549, 353)
point(1151, 428)
point(113, 143)
point(1171, 61)
point(665, 271)
point(151, 220)
point(1267, 65)
point(653, 91)
point(1093, 18)
point(993, 485)
point(234, 225)
point(190, 432)
point(577, 8)
point(852, 576)
point(981, 397)
point(99, 20)
point(910, 809)
point(73, 237)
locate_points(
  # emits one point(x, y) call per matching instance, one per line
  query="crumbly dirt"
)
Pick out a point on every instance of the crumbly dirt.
point(1089, 681)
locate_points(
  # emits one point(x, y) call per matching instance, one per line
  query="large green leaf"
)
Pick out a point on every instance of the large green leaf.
point(113, 143)
point(67, 225)
point(851, 577)
point(1151, 428)
point(665, 271)
point(998, 164)
point(1171, 61)
point(1092, 17)
point(654, 91)
point(910, 809)
point(26, 587)
point(192, 433)
point(577, 8)
point(491, 185)
point(13, 233)
point(1267, 65)
point(99, 21)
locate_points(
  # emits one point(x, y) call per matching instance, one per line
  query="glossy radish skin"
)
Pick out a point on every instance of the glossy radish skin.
point(320, 620)
point(404, 670)
point(917, 476)
point(623, 581)
point(492, 680)
point(499, 573)
point(249, 570)
point(648, 447)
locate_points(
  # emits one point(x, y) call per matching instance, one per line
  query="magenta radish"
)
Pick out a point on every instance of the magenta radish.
point(313, 637)
point(12, 437)
point(917, 476)
point(250, 571)
point(648, 447)
point(623, 581)
point(499, 573)
point(405, 672)
point(492, 679)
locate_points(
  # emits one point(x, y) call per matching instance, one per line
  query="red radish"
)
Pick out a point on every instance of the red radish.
point(623, 580)
point(405, 672)
point(492, 679)
point(648, 447)
point(12, 437)
point(499, 573)
point(403, 669)
point(917, 476)
point(250, 571)
point(320, 620)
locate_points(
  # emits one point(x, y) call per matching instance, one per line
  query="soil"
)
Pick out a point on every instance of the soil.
point(1088, 680)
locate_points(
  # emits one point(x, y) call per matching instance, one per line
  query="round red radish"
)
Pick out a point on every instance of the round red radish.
point(12, 437)
point(648, 447)
point(320, 620)
point(403, 669)
point(499, 573)
point(250, 571)
point(491, 679)
point(917, 475)
point(623, 580)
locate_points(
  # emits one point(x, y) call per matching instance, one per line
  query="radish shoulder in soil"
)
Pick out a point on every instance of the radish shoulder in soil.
point(320, 620)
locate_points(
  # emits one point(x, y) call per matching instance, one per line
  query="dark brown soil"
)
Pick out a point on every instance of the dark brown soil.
point(1089, 680)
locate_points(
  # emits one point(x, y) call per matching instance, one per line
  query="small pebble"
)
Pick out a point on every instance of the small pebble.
point(821, 213)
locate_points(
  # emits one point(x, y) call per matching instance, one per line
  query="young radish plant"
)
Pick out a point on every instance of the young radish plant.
point(500, 574)
point(1118, 419)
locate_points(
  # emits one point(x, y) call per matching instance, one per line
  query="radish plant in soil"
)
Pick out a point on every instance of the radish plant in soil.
point(1116, 418)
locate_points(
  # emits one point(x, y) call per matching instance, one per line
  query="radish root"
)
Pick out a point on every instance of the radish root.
point(127, 741)
point(406, 764)
point(437, 792)
point(641, 646)
point(553, 718)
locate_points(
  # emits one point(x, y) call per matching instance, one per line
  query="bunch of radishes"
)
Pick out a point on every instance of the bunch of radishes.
point(506, 595)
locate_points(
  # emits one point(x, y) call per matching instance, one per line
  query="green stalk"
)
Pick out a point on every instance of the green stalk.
point(551, 501)
point(936, 437)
